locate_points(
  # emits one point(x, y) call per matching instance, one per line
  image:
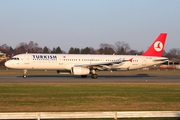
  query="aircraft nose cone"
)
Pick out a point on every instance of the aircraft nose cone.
point(7, 64)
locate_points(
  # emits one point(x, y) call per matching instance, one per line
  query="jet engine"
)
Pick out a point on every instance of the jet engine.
point(80, 71)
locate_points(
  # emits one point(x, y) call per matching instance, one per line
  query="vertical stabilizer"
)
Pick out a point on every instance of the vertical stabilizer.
point(157, 47)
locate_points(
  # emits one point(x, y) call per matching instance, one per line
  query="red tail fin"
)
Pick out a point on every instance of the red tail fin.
point(157, 47)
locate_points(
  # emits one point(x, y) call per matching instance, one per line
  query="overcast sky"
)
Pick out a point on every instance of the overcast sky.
point(87, 23)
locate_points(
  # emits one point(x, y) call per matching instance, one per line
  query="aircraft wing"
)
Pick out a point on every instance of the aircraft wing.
point(101, 64)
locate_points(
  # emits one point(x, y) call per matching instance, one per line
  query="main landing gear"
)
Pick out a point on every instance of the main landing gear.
point(94, 76)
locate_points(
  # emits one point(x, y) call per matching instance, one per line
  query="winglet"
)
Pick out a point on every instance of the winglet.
point(157, 47)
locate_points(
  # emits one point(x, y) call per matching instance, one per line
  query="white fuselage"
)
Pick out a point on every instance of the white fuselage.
point(67, 61)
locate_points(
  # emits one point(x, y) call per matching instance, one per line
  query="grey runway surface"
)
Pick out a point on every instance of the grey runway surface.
point(140, 78)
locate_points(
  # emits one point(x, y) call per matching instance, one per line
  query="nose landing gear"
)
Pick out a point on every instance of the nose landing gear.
point(24, 75)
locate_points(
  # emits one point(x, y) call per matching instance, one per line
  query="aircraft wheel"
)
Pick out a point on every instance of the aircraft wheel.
point(84, 76)
point(94, 76)
point(24, 76)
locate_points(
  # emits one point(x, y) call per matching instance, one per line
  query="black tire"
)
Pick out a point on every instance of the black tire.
point(24, 76)
point(94, 76)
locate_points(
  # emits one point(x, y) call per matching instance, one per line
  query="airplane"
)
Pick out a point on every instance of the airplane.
point(83, 65)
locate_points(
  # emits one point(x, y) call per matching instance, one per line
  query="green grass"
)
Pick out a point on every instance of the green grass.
point(89, 97)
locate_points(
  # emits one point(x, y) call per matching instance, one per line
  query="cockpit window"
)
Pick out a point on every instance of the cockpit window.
point(14, 58)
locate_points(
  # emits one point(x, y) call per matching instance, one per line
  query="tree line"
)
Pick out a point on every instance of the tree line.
point(119, 48)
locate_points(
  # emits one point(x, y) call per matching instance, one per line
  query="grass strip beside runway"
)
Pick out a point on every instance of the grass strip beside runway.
point(89, 96)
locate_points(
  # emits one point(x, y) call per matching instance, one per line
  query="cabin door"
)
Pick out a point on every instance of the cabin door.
point(61, 60)
point(26, 59)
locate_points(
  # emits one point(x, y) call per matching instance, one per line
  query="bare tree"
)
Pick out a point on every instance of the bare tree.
point(106, 48)
point(34, 48)
point(173, 53)
point(121, 48)
point(133, 52)
point(21, 48)
point(92, 50)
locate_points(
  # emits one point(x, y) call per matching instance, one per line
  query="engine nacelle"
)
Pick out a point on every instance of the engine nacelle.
point(80, 71)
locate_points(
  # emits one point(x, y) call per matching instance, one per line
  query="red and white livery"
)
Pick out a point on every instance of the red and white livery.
point(83, 65)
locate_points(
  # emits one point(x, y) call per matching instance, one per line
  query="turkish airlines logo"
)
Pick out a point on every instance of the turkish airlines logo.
point(158, 46)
